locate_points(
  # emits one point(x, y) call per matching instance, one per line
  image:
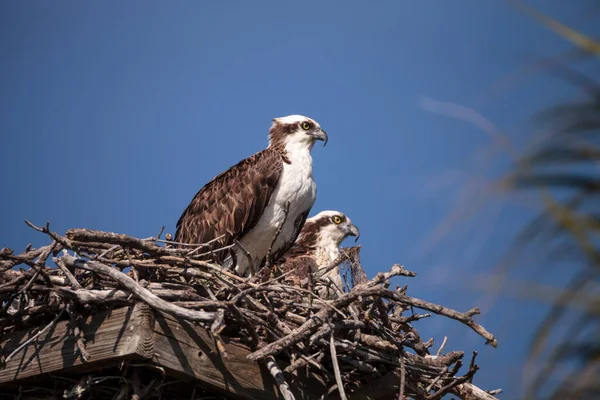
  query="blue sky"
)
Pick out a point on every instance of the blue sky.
point(113, 115)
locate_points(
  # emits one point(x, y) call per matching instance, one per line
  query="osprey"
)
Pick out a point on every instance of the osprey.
point(261, 203)
point(318, 245)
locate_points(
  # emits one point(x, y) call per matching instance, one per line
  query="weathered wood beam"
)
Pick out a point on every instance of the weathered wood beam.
point(124, 333)
point(190, 352)
point(185, 350)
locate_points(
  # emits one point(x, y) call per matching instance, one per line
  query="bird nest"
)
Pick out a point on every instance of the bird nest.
point(360, 344)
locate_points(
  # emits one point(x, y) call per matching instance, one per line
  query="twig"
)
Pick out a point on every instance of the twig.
point(64, 241)
point(162, 229)
point(133, 269)
point(277, 374)
point(105, 252)
point(74, 282)
point(247, 255)
point(439, 352)
point(472, 365)
point(31, 339)
point(445, 389)
point(411, 318)
point(321, 272)
point(436, 380)
point(182, 244)
point(198, 248)
point(364, 291)
point(364, 330)
point(39, 266)
point(144, 294)
point(89, 235)
point(402, 378)
point(336, 368)
point(78, 334)
point(469, 391)
point(277, 278)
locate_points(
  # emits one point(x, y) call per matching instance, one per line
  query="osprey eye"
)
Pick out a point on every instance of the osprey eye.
point(336, 219)
point(305, 125)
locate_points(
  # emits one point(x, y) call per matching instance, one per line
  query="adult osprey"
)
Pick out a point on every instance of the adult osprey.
point(318, 245)
point(248, 203)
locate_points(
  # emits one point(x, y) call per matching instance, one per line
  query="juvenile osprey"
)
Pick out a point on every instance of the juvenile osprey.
point(248, 203)
point(318, 245)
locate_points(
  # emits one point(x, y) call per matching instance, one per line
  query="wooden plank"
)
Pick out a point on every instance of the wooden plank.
point(187, 350)
point(124, 333)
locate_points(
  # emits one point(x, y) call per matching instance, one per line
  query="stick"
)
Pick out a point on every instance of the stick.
point(402, 378)
point(79, 335)
point(144, 294)
point(472, 365)
point(363, 331)
point(436, 380)
point(248, 257)
point(74, 282)
point(336, 368)
point(445, 389)
point(275, 371)
point(21, 347)
point(439, 352)
point(469, 391)
point(309, 326)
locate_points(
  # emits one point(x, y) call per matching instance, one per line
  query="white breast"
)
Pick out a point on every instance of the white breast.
point(295, 186)
point(327, 252)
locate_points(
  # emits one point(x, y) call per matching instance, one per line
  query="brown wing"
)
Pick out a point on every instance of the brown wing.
point(232, 202)
point(303, 245)
point(299, 257)
point(287, 246)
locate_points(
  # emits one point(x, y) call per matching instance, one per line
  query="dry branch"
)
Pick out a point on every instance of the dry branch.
point(144, 294)
point(362, 336)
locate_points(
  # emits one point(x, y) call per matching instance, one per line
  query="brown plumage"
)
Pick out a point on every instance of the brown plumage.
point(216, 209)
point(300, 257)
point(234, 203)
point(318, 246)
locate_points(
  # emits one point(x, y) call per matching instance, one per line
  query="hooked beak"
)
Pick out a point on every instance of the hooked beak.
point(352, 230)
point(320, 135)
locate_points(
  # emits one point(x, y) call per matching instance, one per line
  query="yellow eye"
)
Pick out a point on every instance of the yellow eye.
point(336, 219)
point(305, 125)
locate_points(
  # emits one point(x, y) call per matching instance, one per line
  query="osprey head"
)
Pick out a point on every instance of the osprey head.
point(330, 226)
point(296, 131)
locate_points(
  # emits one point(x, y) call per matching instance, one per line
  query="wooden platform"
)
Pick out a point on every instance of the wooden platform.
point(137, 333)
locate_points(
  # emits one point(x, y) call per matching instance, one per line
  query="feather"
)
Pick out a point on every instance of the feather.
point(232, 202)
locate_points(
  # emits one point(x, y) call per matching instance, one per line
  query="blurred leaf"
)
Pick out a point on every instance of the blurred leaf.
point(580, 40)
point(590, 184)
point(567, 154)
point(565, 168)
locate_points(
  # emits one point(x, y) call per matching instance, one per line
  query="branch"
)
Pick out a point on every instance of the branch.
point(310, 326)
point(468, 391)
point(275, 371)
point(350, 339)
point(336, 368)
point(144, 294)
